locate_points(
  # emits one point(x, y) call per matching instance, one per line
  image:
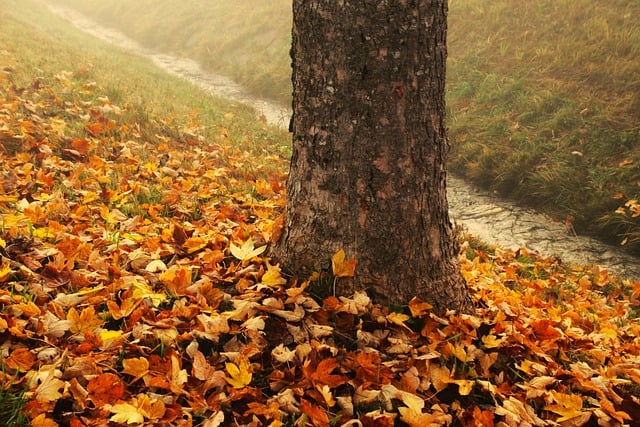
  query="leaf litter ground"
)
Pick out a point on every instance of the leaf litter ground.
point(134, 290)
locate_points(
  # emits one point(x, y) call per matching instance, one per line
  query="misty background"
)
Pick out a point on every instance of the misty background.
point(543, 96)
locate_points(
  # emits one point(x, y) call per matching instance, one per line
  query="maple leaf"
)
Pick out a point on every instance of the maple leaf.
point(419, 308)
point(151, 409)
point(126, 413)
point(194, 244)
point(105, 388)
point(567, 405)
point(85, 321)
point(517, 413)
point(239, 375)
point(136, 367)
point(318, 417)
point(246, 251)
point(215, 420)
point(201, 369)
point(177, 279)
point(272, 276)
point(21, 359)
point(371, 370)
point(399, 319)
point(321, 374)
point(50, 388)
point(282, 354)
point(342, 267)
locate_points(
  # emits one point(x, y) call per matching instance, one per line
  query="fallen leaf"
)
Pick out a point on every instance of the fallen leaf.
point(239, 375)
point(246, 252)
point(342, 267)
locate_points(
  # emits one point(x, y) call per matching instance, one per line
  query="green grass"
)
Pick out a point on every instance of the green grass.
point(543, 97)
point(11, 408)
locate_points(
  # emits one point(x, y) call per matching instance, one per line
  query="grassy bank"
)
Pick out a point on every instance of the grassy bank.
point(249, 40)
point(157, 104)
point(544, 103)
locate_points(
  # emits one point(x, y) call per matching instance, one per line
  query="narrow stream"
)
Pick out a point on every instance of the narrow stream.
point(486, 217)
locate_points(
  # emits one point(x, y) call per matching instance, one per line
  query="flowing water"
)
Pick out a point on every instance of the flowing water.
point(484, 216)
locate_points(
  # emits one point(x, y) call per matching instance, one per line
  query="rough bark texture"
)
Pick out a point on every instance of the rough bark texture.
point(369, 149)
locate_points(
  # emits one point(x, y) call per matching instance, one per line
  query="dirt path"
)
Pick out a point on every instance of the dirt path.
point(484, 216)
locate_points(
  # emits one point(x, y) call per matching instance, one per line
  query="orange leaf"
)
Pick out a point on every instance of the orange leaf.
point(318, 416)
point(21, 359)
point(544, 330)
point(481, 418)
point(322, 373)
point(419, 308)
point(81, 146)
point(371, 370)
point(42, 421)
point(342, 267)
point(105, 388)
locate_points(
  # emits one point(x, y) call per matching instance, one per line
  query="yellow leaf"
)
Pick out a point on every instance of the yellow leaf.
point(142, 290)
point(464, 386)
point(126, 414)
point(85, 321)
point(240, 374)
point(272, 277)
point(456, 350)
point(491, 341)
point(342, 267)
point(194, 244)
point(398, 319)
point(5, 272)
point(246, 251)
point(567, 405)
point(110, 339)
point(136, 367)
point(43, 233)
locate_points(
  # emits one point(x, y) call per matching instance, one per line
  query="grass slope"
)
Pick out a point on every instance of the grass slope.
point(133, 290)
point(544, 97)
point(248, 40)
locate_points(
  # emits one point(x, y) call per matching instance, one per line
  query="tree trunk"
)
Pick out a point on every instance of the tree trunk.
point(369, 150)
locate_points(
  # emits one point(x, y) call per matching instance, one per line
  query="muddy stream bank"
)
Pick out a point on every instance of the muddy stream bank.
point(486, 217)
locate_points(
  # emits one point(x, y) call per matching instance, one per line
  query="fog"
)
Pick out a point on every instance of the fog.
point(240, 51)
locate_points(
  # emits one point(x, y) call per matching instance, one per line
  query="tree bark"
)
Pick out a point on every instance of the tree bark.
point(369, 150)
